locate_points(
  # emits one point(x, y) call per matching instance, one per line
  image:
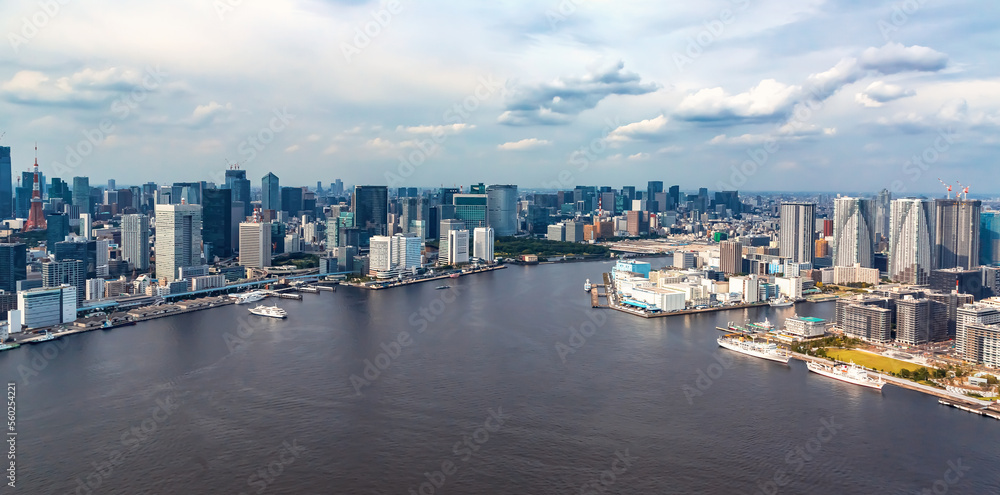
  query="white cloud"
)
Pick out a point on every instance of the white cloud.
point(524, 144)
point(639, 157)
point(878, 93)
point(292, 149)
point(436, 129)
point(639, 130)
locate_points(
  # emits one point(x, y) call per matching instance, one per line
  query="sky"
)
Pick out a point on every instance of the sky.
point(797, 95)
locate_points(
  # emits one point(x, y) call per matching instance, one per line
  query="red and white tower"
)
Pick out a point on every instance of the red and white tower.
point(36, 219)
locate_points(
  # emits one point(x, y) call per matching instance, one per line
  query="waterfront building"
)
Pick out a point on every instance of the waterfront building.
point(790, 287)
point(574, 231)
point(973, 314)
point(178, 238)
point(482, 241)
point(868, 319)
point(95, 289)
point(458, 247)
point(556, 232)
point(444, 245)
point(913, 318)
point(805, 326)
point(853, 232)
point(795, 239)
point(47, 306)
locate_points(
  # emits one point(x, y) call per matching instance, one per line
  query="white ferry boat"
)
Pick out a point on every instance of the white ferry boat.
point(3, 339)
point(249, 297)
point(781, 302)
point(269, 311)
point(587, 286)
point(850, 374)
point(763, 350)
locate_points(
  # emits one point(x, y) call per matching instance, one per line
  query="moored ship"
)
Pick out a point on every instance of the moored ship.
point(587, 286)
point(763, 350)
point(269, 311)
point(249, 297)
point(847, 373)
point(781, 302)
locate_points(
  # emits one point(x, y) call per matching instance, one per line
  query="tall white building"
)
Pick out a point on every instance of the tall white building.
point(795, 240)
point(103, 257)
point(447, 226)
point(392, 256)
point(458, 247)
point(95, 289)
point(178, 238)
point(135, 240)
point(47, 307)
point(255, 244)
point(482, 244)
point(911, 240)
point(86, 225)
point(853, 232)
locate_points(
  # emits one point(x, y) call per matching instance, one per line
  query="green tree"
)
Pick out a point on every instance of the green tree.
point(904, 373)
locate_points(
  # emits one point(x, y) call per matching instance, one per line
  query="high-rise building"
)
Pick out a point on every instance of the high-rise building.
point(911, 240)
point(444, 246)
point(870, 320)
point(653, 188)
point(458, 247)
point(482, 243)
point(81, 194)
point(291, 200)
point(255, 243)
point(13, 265)
point(332, 233)
point(237, 181)
point(135, 241)
point(883, 213)
point(217, 218)
point(67, 272)
point(370, 205)
point(6, 186)
point(958, 233)
point(971, 316)
point(58, 229)
point(853, 232)
point(413, 209)
point(913, 317)
point(178, 238)
point(501, 209)
point(731, 257)
point(471, 209)
point(989, 238)
point(796, 236)
point(86, 225)
point(270, 192)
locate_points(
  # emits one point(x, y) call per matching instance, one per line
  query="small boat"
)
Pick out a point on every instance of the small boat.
point(454, 275)
point(47, 336)
point(4, 347)
point(587, 286)
point(441, 287)
point(269, 311)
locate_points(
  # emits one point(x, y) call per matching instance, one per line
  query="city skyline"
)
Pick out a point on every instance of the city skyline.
point(573, 97)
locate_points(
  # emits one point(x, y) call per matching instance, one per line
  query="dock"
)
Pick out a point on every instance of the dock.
point(974, 409)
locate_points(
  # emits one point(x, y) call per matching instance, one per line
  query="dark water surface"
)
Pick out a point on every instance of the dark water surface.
point(489, 391)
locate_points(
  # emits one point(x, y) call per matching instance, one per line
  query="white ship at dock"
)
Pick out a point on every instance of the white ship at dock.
point(847, 373)
point(763, 350)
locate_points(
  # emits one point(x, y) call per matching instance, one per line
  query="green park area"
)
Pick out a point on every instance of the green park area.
point(870, 361)
point(513, 246)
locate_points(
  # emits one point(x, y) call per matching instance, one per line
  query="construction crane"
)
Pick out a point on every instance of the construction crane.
point(963, 190)
point(946, 185)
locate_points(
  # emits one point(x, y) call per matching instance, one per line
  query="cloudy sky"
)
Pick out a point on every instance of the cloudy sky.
point(751, 94)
